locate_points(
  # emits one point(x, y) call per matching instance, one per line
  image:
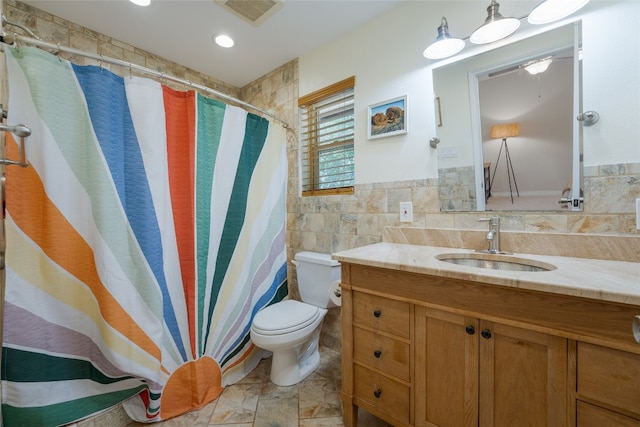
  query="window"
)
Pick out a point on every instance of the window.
point(326, 133)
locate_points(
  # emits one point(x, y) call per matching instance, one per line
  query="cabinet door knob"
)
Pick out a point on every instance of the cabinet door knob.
point(486, 333)
point(377, 392)
point(377, 313)
point(470, 329)
point(377, 354)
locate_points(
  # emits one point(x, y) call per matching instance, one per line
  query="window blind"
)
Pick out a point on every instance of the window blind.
point(327, 134)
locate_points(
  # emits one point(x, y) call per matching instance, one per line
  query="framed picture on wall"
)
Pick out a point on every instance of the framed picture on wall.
point(387, 118)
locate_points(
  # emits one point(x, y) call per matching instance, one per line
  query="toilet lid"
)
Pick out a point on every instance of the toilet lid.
point(284, 317)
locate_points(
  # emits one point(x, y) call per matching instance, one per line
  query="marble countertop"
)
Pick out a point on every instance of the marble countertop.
point(615, 281)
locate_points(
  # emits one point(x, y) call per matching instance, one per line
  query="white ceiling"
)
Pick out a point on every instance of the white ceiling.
point(181, 30)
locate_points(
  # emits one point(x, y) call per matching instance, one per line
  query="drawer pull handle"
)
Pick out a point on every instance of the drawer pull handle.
point(377, 313)
point(377, 354)
point(377, 392)
point(486, 334)
point(470, 330)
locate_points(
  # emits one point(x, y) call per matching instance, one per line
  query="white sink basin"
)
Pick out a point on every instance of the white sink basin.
point(495, 262)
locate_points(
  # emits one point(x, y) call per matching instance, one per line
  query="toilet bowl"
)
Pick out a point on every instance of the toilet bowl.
point(290, 329)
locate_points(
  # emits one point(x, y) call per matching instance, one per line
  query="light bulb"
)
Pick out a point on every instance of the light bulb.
point(224, 40)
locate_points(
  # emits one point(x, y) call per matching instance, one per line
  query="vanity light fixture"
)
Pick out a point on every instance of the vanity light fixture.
point(495, 27)
point(553, 10)
point(538, 66)
point(224, 40)
point(445, 45)
point(141, 2)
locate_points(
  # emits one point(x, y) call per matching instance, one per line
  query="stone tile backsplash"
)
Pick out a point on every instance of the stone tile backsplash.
point(334, 223)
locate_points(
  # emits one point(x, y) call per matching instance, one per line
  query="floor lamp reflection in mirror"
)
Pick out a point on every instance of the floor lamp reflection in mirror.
point(505, 131)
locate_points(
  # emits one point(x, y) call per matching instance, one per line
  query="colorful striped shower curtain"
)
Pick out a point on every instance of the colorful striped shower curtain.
point(141, 242)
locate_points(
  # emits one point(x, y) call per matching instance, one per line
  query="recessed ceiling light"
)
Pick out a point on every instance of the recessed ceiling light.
point(141, 2)
point(223, 40)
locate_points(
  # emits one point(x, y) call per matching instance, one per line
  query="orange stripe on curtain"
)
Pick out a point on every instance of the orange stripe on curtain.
point(41, 220)
point(180, 112)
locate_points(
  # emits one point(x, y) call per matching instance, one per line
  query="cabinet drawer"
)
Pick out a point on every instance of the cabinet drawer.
point(382, 353)
point(384, 393)
point(382, 314)
point(594, 416)
point(609, 376)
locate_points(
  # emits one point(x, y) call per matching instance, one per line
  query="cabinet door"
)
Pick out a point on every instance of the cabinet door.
point(523, 377)
point(446, 369)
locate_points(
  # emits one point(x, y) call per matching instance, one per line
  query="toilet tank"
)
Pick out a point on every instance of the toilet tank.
point(316, 272)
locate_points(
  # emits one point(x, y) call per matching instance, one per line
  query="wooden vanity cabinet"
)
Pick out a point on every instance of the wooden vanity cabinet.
point(448, 352)
point(472, 372)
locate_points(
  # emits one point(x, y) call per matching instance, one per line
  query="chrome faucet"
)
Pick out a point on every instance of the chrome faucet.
point(493, 236)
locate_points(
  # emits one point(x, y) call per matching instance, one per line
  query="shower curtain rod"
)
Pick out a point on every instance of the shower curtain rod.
point(10, 39)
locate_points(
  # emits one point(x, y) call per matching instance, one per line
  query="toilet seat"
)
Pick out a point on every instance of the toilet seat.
point(285, 317)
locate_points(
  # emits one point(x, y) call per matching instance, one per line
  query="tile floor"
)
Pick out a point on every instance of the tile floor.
point(256, 402)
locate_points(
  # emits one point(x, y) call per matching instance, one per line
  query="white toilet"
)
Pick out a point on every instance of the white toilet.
point(291, 329)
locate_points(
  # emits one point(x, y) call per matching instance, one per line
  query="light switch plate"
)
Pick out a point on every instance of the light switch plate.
point(406, 212)
point(446, 152)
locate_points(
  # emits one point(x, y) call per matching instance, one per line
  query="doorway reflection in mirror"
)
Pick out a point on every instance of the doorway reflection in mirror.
point(541, 104)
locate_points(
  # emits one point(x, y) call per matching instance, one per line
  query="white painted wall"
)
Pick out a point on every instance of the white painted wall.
point(386, 58)
point(611, 62)
point(385, 55)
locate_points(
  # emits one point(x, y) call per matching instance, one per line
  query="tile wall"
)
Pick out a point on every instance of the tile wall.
point(459, 190)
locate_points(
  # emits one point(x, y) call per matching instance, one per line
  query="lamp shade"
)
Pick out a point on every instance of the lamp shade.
point(554, 10)
point(505, 130)
point(445, 45)
point(495, 27)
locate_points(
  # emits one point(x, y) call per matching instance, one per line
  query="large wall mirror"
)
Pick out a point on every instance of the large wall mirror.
point(509, 137)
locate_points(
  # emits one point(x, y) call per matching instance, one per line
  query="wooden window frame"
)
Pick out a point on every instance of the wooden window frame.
point(310, 146)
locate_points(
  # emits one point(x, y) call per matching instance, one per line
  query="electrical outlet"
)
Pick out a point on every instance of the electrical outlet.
point(637, 214)
point(406, 212)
